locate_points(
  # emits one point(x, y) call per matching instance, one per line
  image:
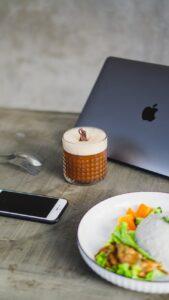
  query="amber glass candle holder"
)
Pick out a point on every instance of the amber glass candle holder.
point(84, 155)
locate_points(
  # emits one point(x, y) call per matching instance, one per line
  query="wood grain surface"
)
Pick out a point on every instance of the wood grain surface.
point(39, 261)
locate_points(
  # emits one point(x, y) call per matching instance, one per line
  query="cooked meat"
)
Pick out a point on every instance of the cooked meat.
point(120, 253)
point(108, 249)
point(112, 259)
point(127, 254)
point(148, 266)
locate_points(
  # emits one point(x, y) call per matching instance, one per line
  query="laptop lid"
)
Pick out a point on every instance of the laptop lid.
point(130, 101)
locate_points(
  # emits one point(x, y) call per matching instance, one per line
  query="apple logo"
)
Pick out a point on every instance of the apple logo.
point(148, 113)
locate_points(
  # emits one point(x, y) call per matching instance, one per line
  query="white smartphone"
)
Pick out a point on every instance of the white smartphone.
point(31, 207)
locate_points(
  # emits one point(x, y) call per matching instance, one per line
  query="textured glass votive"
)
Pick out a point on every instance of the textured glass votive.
point(84, 155)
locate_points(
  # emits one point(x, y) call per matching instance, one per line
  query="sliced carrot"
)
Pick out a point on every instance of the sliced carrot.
point(128, 218)
point(130, 211)
point(143, 211)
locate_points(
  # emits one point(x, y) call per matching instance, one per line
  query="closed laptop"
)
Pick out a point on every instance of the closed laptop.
point(130, 101)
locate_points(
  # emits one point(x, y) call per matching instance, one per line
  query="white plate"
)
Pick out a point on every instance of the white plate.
point(97, 225)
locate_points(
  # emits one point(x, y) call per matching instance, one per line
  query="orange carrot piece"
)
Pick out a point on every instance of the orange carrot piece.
point(143, 211)
point(130, 211)
point(128, 218)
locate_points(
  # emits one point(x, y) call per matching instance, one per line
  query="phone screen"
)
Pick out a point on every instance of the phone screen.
point(26, 204)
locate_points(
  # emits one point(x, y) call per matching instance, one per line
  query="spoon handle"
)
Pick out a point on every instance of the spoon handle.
point(5, 158)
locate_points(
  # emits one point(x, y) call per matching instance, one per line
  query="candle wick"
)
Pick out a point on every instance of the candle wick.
point(83, 136)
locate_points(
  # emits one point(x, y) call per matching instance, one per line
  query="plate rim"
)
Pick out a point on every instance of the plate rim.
point(124, 282)
point(129, 281)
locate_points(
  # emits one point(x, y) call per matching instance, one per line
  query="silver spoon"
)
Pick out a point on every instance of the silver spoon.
point(26, 161)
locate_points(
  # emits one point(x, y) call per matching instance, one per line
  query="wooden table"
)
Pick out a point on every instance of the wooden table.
point(39, 261)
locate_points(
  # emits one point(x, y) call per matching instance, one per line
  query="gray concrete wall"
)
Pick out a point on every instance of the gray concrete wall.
point(52, 50)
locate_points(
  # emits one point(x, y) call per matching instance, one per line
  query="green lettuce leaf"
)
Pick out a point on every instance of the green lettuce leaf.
point(128, 271)
point(166, 219)
point(122, 235)
point(157, 210)
point(154, 275)
point(138, 220)
point(101, 259)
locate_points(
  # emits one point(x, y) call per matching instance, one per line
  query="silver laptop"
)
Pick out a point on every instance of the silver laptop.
point(130, 101)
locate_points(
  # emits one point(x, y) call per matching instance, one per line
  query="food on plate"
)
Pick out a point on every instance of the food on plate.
point(152, 235)
point(127, 254)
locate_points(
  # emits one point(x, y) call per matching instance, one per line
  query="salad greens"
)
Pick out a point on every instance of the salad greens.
point(122, 255)
point(138, 220)
point(122, 235)
point(166, 219)
point(130, 271)
point(157, 210)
